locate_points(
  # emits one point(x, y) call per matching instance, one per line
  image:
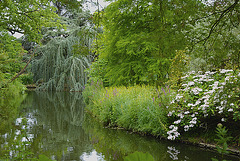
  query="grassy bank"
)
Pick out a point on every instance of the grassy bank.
point(137, 108)
point(191, 112)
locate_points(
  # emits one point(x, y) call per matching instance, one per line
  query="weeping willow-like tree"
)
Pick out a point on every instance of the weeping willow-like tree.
point(60, 64)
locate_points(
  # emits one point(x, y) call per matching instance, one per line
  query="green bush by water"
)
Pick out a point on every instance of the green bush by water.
point(192, 112)
point(139, 108)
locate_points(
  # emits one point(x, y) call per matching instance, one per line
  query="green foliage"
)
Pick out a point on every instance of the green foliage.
point(10, 55)
point(10, 98)
point(27, 17)
point(140, 39)
point(138, 108)
point(19, 144)
point(60, 64)
point(214, 36)
point(58, 69)
point(178, 68)
point(222, 139)
point(10, 92)
point(26, 78)
point(139, 156)
point(205, 98)
point(43, 158)
point(97, 71)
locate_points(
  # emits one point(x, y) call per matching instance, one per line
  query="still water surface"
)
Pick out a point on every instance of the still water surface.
point(63, 131)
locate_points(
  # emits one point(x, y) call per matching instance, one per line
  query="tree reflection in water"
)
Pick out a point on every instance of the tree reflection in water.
point(61, 130)
point(58, 132)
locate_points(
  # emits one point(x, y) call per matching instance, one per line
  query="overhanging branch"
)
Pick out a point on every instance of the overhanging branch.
point(223, 14)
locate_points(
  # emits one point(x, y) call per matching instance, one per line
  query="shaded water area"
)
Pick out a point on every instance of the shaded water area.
point(61, 130)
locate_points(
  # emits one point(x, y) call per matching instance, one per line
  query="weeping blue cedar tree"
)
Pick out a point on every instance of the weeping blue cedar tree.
point(60, 64)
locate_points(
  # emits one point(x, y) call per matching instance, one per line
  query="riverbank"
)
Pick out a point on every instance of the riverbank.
point(195, 141)
point(190, 114)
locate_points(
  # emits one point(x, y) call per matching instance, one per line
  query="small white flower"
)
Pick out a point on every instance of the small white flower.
point(187, 112)
point(186, 128)
point(204, 106)
point(231, 104)
point(195, 80)
point(230, 110)
point(223, 71)
point(191, 125)
point(170, 113)
point(181, 115)
point(184, 85)
point(197, 102)
point(223, 83)
point(221, 111)
point(170, 137)
point(172, 102)
point(177, 122)
point(193, 122)
point(191, 83)
point(206, 97)
point(176, 134)
point(178, 96)
point(171, 126)
point(194, 119)
point(192, 72)
point(223, 119)
point(208, 80)
point(227, 78)
point(196, 90)
point(190, 104)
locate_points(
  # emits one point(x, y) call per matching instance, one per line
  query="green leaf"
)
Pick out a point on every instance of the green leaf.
point(139, 156)
point(44, 158)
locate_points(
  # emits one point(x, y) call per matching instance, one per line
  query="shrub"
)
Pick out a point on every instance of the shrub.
point(203, 96)
point(178, 67)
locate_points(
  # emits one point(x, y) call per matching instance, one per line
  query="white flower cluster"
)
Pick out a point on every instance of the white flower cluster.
point(202, 95)
point(173, 133)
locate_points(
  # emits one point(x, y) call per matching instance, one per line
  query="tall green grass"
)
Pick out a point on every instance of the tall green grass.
point(139, 108)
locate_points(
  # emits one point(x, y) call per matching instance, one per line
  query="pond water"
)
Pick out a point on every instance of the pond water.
point(61, 130)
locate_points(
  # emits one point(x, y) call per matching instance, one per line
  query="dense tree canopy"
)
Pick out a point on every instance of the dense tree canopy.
point(27, 17)
point(141, 38)
point(214, 35)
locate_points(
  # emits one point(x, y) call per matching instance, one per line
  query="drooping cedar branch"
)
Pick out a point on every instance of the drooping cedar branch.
point(223, 14)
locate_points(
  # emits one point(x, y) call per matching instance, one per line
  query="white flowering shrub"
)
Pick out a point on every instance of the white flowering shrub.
point(204, 95)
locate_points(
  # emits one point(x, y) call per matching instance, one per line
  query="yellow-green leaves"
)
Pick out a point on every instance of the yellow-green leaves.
point(27, 17)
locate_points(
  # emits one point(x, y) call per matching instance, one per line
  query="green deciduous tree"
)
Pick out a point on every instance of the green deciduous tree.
point(10, 92)
point(27, 17)
point(215, 36)
point(140, 39)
